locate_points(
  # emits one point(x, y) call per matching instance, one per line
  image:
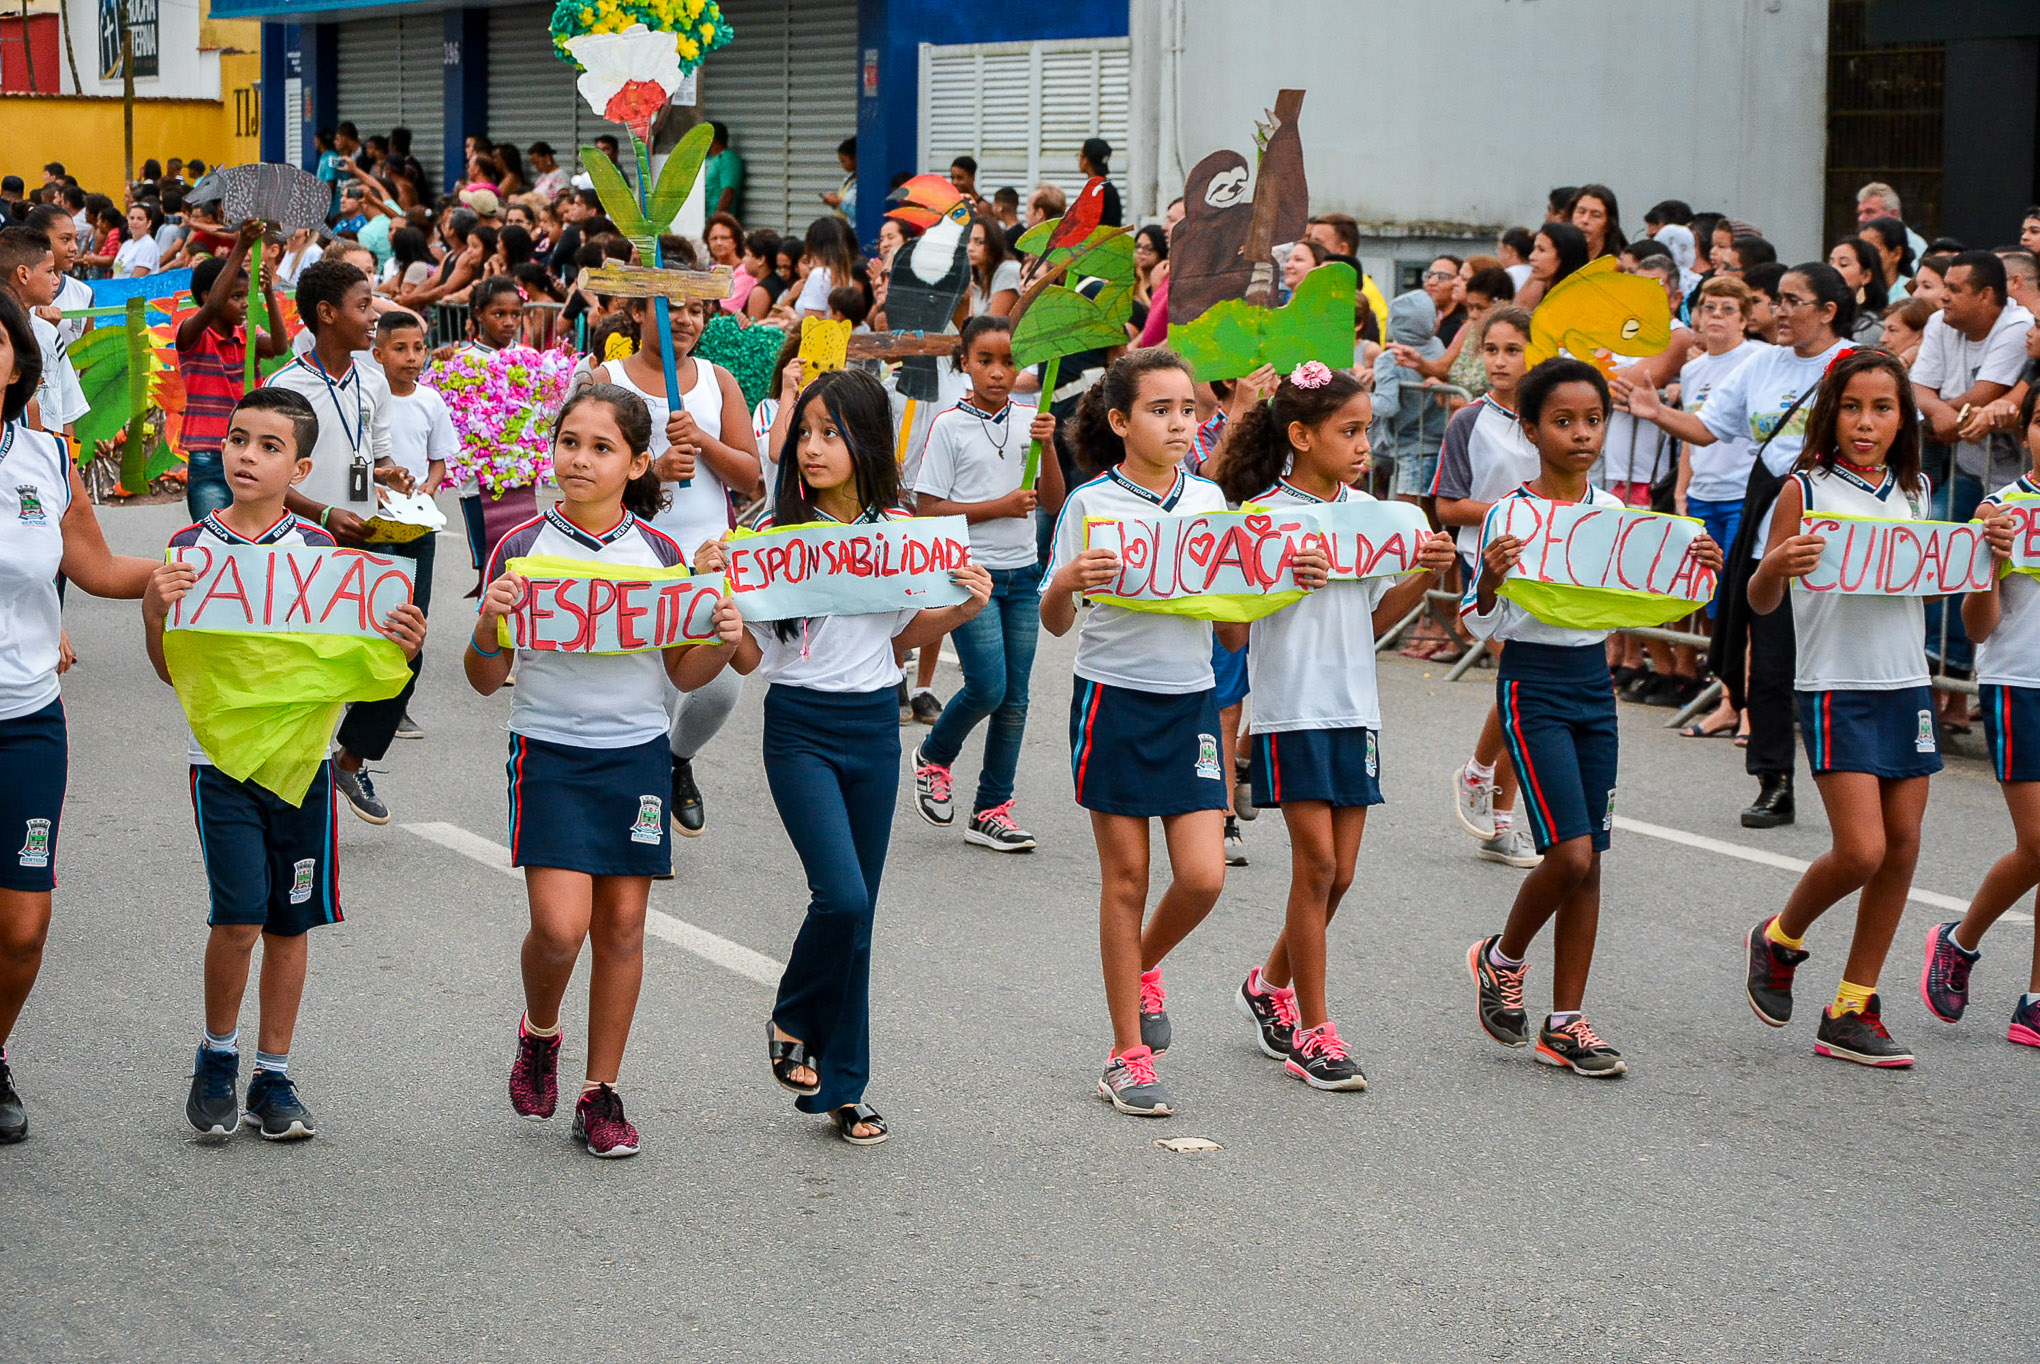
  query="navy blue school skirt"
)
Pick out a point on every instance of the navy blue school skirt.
point(1890, 734)
point(1342, 766)
point(1137, 753)
point(596, 810)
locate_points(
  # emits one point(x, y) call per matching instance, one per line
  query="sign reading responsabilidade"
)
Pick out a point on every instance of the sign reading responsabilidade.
point(823, 568)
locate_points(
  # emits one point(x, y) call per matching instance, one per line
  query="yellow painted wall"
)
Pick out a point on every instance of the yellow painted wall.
point(85, 133)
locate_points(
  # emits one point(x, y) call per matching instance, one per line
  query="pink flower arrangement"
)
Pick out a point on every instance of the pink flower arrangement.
point(502, 406)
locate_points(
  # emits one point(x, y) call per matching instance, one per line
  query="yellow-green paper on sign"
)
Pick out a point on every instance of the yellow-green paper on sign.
point(263, 706)
point(1573, 607)
point(547, 567)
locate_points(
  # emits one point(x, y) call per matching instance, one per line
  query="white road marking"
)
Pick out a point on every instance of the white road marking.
point(731, 956)
point(1781, 862)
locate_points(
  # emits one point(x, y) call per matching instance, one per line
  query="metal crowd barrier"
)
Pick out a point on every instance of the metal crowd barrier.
point(450, 323)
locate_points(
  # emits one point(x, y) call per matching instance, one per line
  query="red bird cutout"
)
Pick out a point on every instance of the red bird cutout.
point(1081, 219)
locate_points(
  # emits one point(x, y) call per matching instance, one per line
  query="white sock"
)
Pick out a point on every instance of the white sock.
point(279, 1062)
point(1476, 773)
point(1562, 1017)
point(1496, 957)
point(532, 1029)
point(924, 691)
point(2029, 1000)
point(1504, 821)
point(229, 1042)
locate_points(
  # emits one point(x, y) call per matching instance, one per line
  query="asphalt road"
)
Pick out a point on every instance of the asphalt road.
point(1733, 1197)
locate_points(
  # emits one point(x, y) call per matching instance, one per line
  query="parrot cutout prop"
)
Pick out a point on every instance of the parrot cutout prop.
point(1222, 270)
point(633, 56)
point(1597, 312)
point(1080, 298)
point(266, 190)
point(929, 274)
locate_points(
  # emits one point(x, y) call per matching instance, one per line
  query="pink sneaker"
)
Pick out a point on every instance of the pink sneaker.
point(1321, 1061)
point(1155, 1032)
point(534, 1075)
point(599, 1121)
point(995, 829)
point(931, 792)
point(1274, 1015)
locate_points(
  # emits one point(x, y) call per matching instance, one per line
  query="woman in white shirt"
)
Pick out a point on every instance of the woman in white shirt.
point(831, 254)
point(139, 255)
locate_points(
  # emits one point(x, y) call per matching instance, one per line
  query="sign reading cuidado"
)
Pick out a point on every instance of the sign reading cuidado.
point(573, 606)
point(289, 589)
point(822, 568)
point(1591, 567)
point(1240, 566)
point(1868, 556)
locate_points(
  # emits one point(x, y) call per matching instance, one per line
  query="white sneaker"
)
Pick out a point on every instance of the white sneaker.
point(1511, 847)
point(931, 792)
point(1474, 804)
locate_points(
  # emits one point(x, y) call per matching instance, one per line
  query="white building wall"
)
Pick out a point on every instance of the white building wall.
point(1447, 119)
point(183, 71)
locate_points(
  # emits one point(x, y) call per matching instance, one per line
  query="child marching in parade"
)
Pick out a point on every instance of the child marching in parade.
point(589, 765)
point(1558, 719)
point(1317, 714)
point(832, 748)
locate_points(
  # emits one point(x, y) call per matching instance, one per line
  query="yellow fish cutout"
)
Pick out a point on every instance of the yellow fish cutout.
point(1597, 310)
point(824, 344)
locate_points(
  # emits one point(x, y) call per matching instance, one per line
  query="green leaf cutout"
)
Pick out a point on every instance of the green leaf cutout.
point(618, 200)
point(676, 177)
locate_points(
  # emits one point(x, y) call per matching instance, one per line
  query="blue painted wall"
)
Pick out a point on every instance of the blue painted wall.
point(892, 31)
point(466, 61)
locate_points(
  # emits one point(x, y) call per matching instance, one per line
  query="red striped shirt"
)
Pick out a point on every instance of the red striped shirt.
point(213, 372)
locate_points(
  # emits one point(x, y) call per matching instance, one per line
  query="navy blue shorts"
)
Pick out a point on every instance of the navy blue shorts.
point(2011, 730)
point(34, 760)
point(1558, 719)
point(596, 810)
point(1889, 734)
point(1136, 753)
point(1229, 669)
point(1342, 766)
point(269, 862)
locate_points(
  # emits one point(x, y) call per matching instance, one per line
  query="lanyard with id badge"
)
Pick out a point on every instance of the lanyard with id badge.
point(358, 472)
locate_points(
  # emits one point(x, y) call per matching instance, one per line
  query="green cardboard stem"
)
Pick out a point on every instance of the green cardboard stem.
point(1049, 374)
point(133, 469)
point(659, 308)
point(255, 313)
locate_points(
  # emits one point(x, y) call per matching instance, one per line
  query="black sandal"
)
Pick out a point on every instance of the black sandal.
point(787, 1057)
point(850, 1115)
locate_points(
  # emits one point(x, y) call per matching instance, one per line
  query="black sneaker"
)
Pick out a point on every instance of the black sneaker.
point(1235, 843)
point(212, 1109)
point(273, 1105)
point(1274, 1015)
point(906, 704)
point(407, 728)
point(13, 1117)
point(1498, 995)
point(1155, 1032)
point(926, 709)
point(688, 813)
point(1320, 1060)
point(1859, 1037)
point(359, 793)
point(932, 798)
point(995, 829)
point(1578, 1048)
point(1768, 981)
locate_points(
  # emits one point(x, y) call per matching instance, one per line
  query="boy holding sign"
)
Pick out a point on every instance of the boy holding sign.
point(1558, 718)
point(273, 864)
point(2005, 623)
point(589, 767)
point(1866, 713)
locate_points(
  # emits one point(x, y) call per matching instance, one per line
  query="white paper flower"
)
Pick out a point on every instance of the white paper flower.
point(628, 77)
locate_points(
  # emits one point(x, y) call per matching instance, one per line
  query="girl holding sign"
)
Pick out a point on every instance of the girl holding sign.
point(1558, 718)
point(1317, 713)
point(832, 747)
point(1865, 710)
point(700, 451)
point(46, 526)
point(588, 757)
point(1144, 715)
point(976, 455)
point(2005, 623)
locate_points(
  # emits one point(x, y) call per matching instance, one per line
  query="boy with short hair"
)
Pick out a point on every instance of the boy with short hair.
point(212, 358)
point(73, 294)
point(28, 271)
point(422, 439)
point(273, 866)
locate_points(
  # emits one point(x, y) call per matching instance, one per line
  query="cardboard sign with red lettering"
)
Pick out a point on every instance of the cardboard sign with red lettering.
point(1239, 566)
point(1869, 556)
point(826, 569)
point(576, 607)
point(2024, 509)
point(289, 589)
point(1600, 567)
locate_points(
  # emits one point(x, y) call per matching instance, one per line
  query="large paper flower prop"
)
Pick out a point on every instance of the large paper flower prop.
point(627, 77)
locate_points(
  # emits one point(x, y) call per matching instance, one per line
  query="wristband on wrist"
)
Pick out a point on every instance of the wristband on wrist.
point(485, 653)
point(324, 515)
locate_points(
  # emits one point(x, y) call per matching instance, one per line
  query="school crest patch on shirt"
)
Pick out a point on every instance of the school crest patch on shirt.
point(32, 513)
point(1207, 756)
point(35, 848)
point(650, 820)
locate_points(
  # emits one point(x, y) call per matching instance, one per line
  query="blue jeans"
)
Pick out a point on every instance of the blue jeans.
point(205, 488)
point(996, 649)
point(1721, 520)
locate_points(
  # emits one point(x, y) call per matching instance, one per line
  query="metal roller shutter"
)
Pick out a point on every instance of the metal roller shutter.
point(788, 141)
point(531, 91)
point(391, 72)
point(1023, 109)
